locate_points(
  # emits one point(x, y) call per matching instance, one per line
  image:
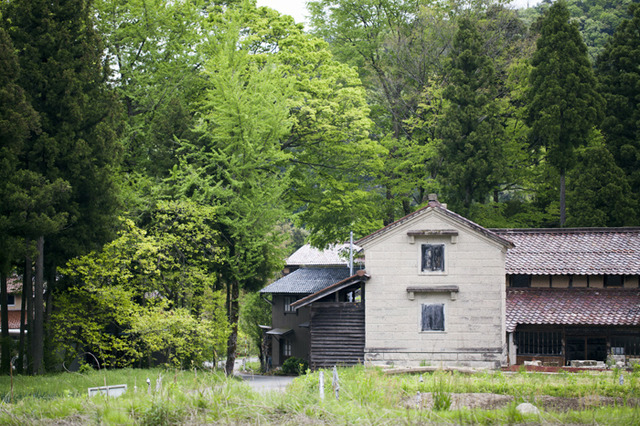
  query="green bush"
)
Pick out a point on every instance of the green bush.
point(294, 366)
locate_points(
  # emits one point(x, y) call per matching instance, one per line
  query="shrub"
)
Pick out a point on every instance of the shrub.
point(294, 366)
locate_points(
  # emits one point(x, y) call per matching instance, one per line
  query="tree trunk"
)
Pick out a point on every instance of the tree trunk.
point(37, 342)
point(5, 363)
point(234, 311)
point(26, 310)
point(563, 212)
point(48, 307)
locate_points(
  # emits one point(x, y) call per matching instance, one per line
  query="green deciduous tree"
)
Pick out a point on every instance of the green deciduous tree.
point(153, 52)
point(130, 299)
point(238, 165)
point(563, 102)
point(398, 47)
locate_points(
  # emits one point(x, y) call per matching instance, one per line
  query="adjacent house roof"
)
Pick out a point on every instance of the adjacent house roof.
point(435, 205)
point(307, 280)
point(14, 284)
point(359, 276)
point(331, 256)
point(547, 306)
point(573, 251)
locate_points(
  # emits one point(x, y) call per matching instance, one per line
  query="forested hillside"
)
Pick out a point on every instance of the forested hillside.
point(160, 158)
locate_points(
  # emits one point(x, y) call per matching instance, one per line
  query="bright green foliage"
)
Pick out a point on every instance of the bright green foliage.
point(563, 102)
point(599, 194)
point(238, 165)
point(96, 319)
point(471, 135)
point(398, 48)
point(401, 48)
point(118, 297)
point(183, 339)
point(617, 69)
point(153, 49)
point(331, 159)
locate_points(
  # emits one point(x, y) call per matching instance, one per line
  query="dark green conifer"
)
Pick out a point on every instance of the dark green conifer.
point(563, 102)
point(619, 75)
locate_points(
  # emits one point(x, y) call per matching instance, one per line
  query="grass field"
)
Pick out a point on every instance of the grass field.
point(366, 396)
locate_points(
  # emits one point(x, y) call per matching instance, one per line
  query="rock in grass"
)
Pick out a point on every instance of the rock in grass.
point(527, 408)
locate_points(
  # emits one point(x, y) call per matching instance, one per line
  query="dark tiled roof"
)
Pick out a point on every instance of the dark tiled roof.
point(572, 307)
point(359, 276)
point(307, 280)
point(577, 251)
point(436, 206)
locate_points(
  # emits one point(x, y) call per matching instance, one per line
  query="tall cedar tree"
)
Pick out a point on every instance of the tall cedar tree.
point(60, 55)
point(619, 75)
point(563, 101)
point(598, 190)
point(17, 120)
point(470, 133)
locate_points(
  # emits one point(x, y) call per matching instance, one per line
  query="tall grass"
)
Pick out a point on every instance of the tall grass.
point(367, 396)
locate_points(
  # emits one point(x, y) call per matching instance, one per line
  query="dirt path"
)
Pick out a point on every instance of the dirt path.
point(266, 383)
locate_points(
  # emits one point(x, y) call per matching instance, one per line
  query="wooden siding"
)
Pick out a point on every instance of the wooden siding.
point(337, 334)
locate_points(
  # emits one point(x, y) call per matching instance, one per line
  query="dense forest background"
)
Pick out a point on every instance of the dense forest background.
point(160, 158)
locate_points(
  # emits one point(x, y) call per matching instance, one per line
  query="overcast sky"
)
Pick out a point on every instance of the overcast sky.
point(298, 9)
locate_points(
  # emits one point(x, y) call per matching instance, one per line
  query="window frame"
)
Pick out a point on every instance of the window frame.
point(286, 348)
point(433, 269)
point(287, 309)
point(11, 300)
point(442, 314)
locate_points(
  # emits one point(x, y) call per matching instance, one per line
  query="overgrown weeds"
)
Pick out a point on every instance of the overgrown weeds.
point(366, 396)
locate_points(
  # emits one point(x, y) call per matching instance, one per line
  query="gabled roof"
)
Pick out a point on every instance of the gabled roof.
point(359, 276)
point(334, 255)
point(551, 306)
point(435, 206)
point(573, 251)
point(307, 280)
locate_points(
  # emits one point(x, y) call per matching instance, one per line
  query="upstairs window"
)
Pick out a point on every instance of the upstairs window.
point(520, 280)
point(613, 280)
point(432, 317)
point(288, 300)
point(11, 300)
point(432, 257)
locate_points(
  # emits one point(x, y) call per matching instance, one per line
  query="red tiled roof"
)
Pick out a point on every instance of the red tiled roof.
point(572, 307)
point(573, 251)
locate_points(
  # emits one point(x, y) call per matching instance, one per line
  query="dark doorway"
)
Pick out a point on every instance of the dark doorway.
point(582, 348)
